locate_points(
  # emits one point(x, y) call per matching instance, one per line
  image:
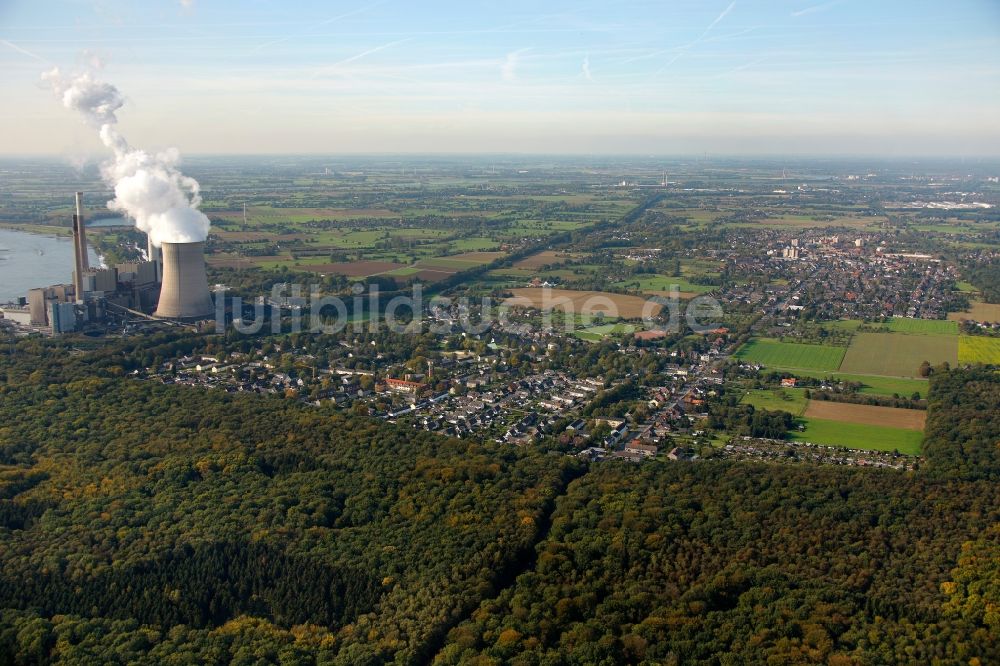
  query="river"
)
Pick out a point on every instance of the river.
point(33, 260)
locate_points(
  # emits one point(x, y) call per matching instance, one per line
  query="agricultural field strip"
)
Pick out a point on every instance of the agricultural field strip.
point(889, 417)
point(976, 349)
point(897, 354)
point(619, 305)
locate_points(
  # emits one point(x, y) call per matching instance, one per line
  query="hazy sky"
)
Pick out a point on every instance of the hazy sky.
point(892, 77)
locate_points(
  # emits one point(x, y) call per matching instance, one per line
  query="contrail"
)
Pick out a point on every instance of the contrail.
point(26, 52)
point(815, 8)
point(686, 48)
point(328, 21)
point(659, 52)
point(718, 18)
point(359, 56)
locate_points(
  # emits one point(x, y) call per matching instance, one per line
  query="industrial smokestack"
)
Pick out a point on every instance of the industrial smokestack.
point(81, 239)
point(79, 247)
point(184, 292)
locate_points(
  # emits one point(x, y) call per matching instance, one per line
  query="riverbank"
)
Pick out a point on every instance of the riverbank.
point(29, 259)
point(38, 229)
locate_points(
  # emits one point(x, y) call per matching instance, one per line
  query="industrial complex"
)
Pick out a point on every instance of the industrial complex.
point(169, 285)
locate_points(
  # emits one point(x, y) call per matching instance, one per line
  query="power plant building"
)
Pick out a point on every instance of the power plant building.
point(63, 318)
point(172, 281)
point(20, 315)
point(41, 300)
point(138, 273)
point(102, 280)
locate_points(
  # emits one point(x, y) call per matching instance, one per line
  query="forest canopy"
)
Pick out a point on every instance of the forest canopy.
point(147, 523)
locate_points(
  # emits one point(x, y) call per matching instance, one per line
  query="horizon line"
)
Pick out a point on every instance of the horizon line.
point(98, 156)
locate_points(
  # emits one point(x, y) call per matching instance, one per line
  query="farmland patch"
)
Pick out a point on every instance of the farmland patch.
point(898, 354)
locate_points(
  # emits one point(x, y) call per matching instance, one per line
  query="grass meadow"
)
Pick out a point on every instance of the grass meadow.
point(776, 354)
point(792, 401)
point(923, 326)
point(859, 436)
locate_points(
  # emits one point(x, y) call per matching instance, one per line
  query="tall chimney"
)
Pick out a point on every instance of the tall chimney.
point(79, 247)
point(184, 291)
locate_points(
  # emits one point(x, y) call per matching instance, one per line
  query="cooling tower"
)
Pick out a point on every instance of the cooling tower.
point(184, 292)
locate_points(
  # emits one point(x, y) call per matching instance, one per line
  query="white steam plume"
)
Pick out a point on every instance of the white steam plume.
point(149, 187)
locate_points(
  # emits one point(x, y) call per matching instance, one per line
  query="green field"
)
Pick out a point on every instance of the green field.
point(898, 354)
point(923, 326)
point(535, 227)
point(447, 263)
point(349, 239)
point(663, 283)
point(859, 436)
point(873, 384)
point(293, 215)
point(418, 232)
point(965, 287)
point(475, 244)
point(598, 333)
point(975, 349)
point(793, 401)
point(808, 222)
point(692, 267)
point(775, 354)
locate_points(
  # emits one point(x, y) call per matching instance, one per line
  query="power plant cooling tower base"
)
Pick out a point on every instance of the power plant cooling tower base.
point(184, 293)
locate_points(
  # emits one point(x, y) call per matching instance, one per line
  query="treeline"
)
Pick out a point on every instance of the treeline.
point(985, 276)
point(913, 402)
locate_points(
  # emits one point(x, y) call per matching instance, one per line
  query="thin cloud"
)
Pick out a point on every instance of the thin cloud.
point(744, 66)
point(508, 70)
point(92, 59)
point(816, 8)
point(586, 68)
